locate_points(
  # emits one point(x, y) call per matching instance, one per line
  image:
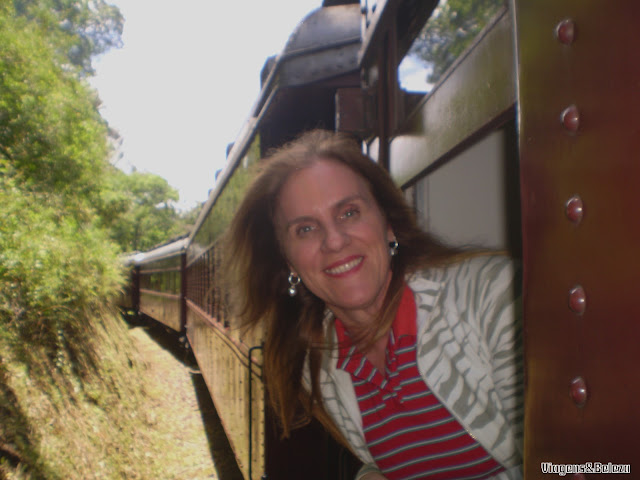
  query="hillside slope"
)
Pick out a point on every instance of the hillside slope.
point(138, 415)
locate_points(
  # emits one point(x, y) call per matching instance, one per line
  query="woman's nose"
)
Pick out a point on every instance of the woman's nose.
point(335, 238)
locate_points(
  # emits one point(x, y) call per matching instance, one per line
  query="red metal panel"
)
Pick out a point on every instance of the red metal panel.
point(589, 154)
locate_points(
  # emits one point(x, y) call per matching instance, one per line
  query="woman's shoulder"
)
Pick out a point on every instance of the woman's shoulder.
point(474, 291)
point(474, 278)
point(472, 267)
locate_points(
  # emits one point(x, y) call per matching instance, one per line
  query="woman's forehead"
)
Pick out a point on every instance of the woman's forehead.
point(322, 180)
point(318, 191)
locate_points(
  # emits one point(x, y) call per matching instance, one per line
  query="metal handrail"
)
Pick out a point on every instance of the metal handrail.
point(256, 347)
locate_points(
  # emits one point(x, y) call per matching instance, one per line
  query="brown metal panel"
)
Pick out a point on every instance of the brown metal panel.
point(353, 111)
point(386, 90)
point(588, 152)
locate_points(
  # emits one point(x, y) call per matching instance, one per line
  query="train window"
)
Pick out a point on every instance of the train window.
point(448, 32)
point(485, 211)
point(210, 300)
point(211, 285)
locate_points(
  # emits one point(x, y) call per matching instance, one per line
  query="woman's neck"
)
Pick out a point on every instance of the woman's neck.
point(361, 330)
point(377, 354)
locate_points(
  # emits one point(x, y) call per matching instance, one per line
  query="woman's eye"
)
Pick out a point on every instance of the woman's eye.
point(350, 213)
point(303, 229)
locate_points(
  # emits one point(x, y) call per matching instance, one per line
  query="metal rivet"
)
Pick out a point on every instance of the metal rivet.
point(570, 118)
point(577, 300)
point(574, 209)
point(578, 391)
point(566, 31)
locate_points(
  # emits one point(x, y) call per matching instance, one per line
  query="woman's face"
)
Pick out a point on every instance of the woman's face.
point(335, 237)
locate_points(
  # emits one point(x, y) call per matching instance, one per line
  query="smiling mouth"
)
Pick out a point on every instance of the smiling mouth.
point(345, 267)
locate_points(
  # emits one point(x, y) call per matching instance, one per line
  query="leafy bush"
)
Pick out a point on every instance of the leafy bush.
point(55, 270)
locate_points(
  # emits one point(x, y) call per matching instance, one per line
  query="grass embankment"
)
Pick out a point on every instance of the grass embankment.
point(58, 423)
point(137, 416)
point(67, 386)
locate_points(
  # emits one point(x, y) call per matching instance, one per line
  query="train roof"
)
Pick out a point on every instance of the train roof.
point(165, 251)
point(324, 46)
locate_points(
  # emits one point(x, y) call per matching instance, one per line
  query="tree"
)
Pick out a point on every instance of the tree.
point(149, 216)
point(450, 30)
point(79, 29)
point(50, 129)
point(51, 132)
point(56, 260)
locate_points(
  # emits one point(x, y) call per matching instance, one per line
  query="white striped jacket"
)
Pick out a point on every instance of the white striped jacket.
point(468, 352)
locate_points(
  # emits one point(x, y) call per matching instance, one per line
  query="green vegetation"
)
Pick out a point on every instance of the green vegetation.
point(146, 216)
point(69, 384)
point(450, 30)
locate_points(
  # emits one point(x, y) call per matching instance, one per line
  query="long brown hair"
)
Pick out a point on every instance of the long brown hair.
point(257, 271)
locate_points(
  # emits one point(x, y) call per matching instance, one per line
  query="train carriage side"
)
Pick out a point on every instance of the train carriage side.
point(298, 91)
point(526, 141)
point(160, 283)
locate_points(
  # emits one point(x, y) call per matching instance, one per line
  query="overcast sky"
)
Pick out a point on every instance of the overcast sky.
point(183, 84)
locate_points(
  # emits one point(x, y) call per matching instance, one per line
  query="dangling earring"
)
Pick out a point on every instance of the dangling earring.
point(294, 280)
point(393, 248)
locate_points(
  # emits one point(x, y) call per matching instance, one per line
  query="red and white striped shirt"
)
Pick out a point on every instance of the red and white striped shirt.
point(410, 434)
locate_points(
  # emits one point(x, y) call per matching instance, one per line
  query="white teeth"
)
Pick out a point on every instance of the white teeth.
point(344, 268)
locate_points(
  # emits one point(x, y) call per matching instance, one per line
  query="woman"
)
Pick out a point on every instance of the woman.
point(406, 350)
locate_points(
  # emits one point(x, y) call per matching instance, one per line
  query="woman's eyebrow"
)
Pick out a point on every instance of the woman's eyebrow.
point(348, 199)
point(337, 206)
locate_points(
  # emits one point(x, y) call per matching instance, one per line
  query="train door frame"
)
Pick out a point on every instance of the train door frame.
point(578, 98)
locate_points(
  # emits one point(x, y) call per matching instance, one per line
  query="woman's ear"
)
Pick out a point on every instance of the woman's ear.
point(292, 270)
point(391, 237)
point(289, 267)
